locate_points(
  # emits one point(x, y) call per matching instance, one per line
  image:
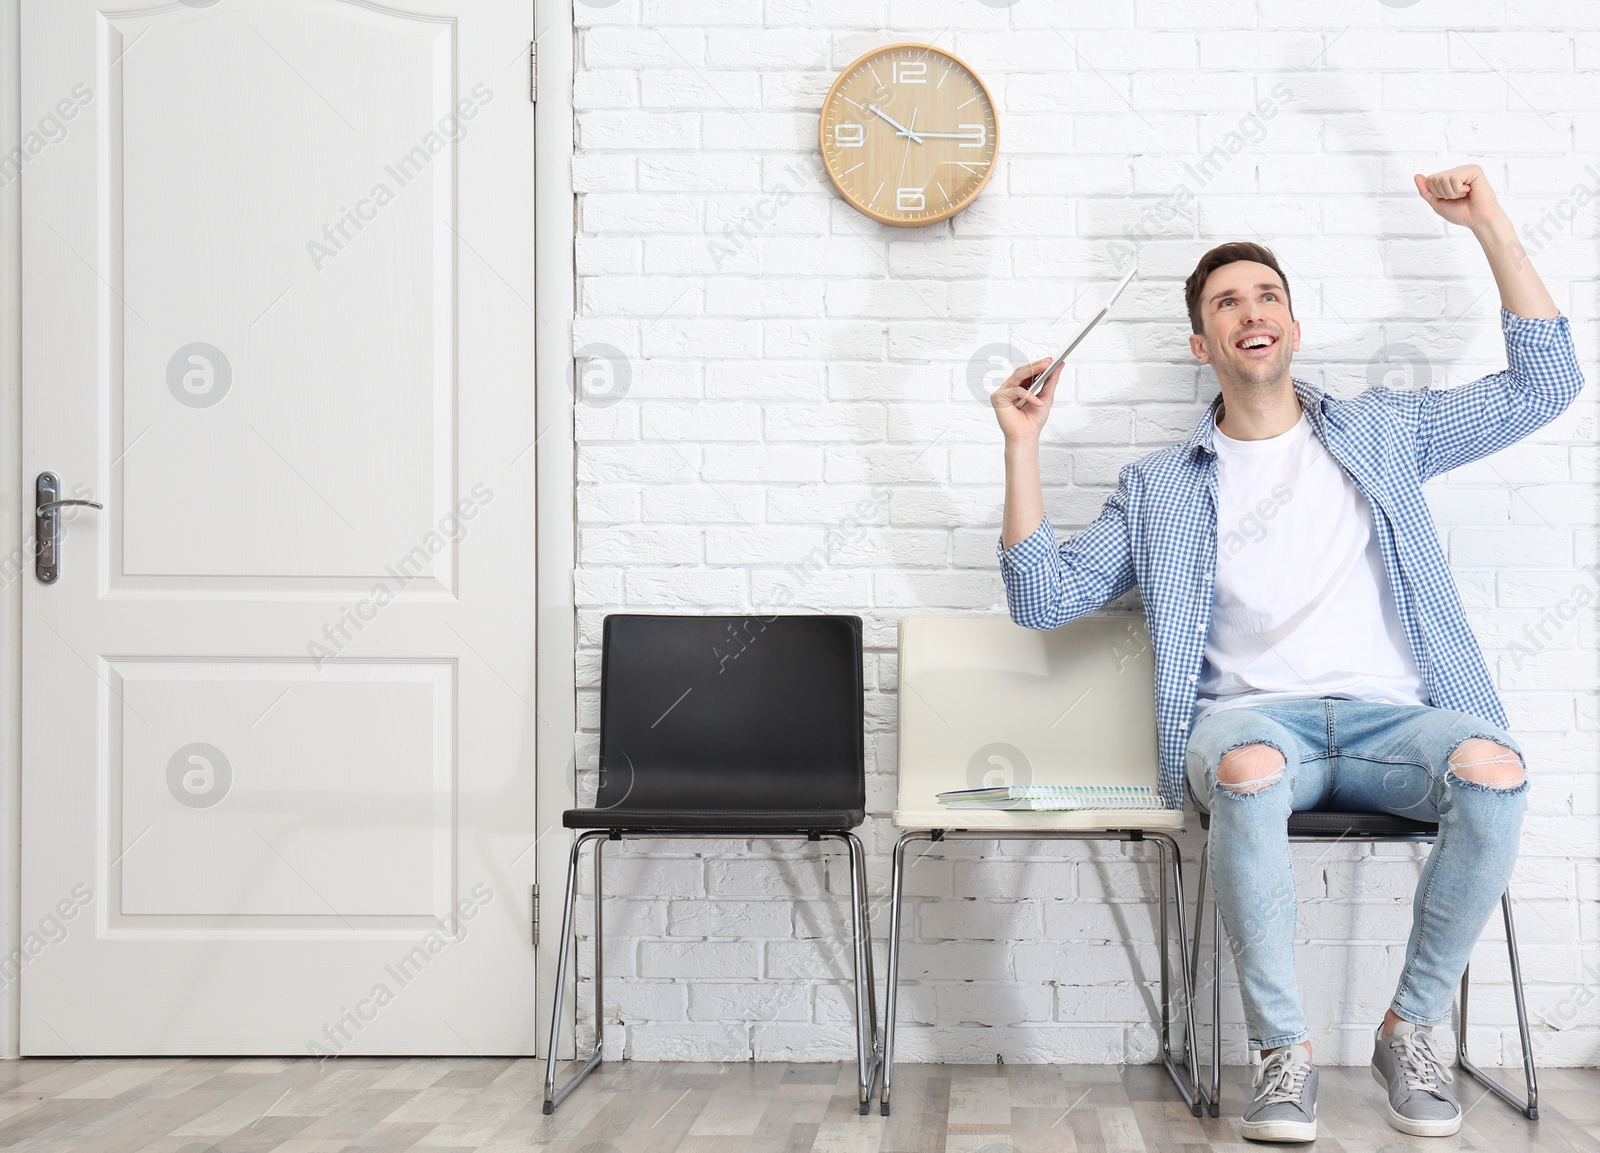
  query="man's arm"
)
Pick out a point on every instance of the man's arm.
point(1458, 425)
point(1047, 586)
point(1022, 416)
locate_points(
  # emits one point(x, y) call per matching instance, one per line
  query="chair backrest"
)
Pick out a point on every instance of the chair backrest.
point(985, 702)
point(731, 713)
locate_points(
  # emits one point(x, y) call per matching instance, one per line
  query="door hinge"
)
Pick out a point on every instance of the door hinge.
point(533, 71)
point(536, 916)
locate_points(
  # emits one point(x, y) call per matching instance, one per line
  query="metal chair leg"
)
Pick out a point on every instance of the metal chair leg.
point(1199, 911)
point(872, 984)
point(866, 1013)
point(599, 951)
point(1529, 1107)
point(553, 1096)
point(1214, 1098)
point(891, 991)
point(1165, 935)
point(1216, 1007)
point(1191, 980)
point(1189, 1087)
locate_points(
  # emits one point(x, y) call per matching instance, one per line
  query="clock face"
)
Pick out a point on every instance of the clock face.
point(908, 134)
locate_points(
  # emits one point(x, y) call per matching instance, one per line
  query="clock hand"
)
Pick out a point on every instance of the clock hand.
point(907, 154)
point(903, 130)
point(978, 135)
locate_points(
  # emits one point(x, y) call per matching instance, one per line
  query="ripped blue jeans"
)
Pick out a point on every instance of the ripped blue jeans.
point(1352, 756)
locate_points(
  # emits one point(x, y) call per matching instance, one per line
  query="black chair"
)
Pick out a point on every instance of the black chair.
point(1315, 826)
point(737, 727)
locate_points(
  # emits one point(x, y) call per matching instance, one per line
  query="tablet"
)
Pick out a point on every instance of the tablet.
point(1038, 381)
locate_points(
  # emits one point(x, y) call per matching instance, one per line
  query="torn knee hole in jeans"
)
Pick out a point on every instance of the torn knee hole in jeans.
point(1486, 763)
point(1250, 768)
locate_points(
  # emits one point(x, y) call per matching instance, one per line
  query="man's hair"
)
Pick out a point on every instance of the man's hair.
point(1234, 250)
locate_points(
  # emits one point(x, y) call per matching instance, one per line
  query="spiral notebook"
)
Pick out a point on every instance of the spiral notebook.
point(1053, 798)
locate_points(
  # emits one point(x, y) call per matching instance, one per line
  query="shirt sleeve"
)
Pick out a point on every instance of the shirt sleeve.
point(1455, 426)
point(1048, 585)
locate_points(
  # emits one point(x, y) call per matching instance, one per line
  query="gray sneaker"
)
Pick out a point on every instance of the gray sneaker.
point(1421, 1101)
point(1285, 1104)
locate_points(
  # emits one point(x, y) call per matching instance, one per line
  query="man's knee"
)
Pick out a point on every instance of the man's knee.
point(1488, 763)
point(1250, 768)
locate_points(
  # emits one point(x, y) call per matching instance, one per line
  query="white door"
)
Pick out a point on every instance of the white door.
point(278, 734)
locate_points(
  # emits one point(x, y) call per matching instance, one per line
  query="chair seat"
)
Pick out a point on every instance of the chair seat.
point(1329, 824)
point(939, 817)
point(750, 821)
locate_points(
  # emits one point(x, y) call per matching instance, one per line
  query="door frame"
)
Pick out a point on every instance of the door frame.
point(554, 292)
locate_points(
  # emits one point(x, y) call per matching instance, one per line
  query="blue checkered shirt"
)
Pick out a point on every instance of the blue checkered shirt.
point(1158, 530)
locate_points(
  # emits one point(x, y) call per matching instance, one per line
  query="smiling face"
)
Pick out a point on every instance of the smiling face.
point(1248, 334)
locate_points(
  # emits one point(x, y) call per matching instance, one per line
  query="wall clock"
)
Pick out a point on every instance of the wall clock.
point(908, 135)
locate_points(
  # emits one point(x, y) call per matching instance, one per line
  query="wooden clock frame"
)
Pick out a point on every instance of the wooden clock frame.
point(822, 137)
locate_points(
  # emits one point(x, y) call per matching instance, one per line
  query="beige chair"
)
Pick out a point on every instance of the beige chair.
point(983, 702)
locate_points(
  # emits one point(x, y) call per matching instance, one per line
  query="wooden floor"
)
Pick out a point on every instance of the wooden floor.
point(437, 1105)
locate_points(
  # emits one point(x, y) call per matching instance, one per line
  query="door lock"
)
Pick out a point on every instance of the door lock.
point(47, 506)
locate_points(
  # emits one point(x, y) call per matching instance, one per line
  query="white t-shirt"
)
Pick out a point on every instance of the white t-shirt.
point(1301, 607)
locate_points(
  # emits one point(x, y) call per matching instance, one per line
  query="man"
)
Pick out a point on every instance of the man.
point(1311, 650)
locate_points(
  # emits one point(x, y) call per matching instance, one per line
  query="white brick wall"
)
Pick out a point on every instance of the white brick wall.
point(792, 377)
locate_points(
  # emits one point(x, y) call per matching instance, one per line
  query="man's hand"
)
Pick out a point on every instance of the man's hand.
point(1021, 416)
point(1020, 413)
point(1461, 195)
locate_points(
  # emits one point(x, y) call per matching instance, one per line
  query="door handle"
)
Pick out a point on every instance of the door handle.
point(47, 507)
